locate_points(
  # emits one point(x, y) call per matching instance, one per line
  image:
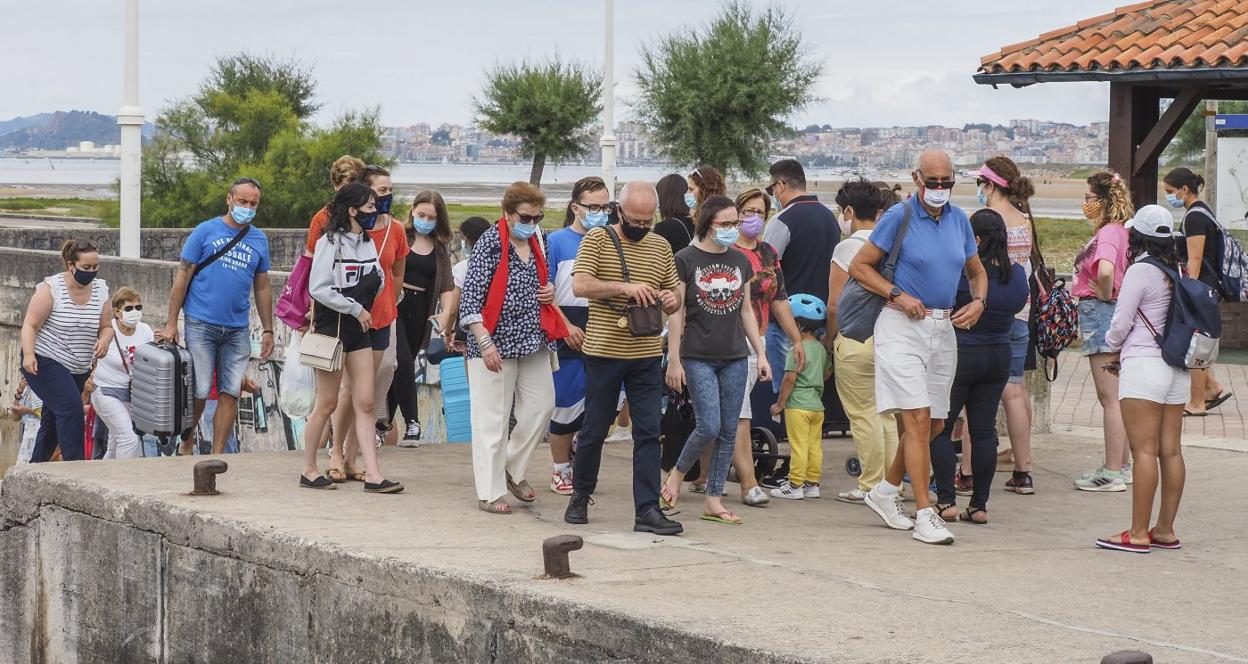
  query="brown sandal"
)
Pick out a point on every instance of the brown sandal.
point(521, 490)
point(336, 475)
point(354, 475)
point(499, 506)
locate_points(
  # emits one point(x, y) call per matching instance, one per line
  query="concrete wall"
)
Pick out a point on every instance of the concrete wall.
point(95, 575)
point(262, 425)
point(165, 244)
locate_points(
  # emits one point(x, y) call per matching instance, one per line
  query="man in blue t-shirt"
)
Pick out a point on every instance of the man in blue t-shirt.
point(916, 349)
point(217, 301)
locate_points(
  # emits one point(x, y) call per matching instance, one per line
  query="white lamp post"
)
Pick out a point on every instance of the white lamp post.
point(130, 117)
point(608, 141)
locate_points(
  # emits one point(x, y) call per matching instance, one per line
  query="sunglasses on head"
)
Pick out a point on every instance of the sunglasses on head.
point(251, 181)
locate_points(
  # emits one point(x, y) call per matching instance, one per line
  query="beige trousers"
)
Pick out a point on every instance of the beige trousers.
point(875, 435)
point(496, 454)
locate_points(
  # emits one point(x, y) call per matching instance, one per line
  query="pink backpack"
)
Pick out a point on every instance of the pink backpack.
point(294, 302)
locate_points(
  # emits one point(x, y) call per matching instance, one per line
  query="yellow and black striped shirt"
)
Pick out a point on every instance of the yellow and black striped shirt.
point(649, 262)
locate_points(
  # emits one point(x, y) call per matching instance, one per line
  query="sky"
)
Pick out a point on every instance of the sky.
point(887, 62)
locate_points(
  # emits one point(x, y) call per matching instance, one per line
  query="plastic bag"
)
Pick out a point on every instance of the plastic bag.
point(298, 389)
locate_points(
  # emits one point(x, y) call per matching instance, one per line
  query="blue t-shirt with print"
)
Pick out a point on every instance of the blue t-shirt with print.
point(221, 293)
point(933, 253)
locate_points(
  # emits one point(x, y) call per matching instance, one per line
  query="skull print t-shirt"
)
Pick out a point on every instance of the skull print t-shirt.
point(715, 289)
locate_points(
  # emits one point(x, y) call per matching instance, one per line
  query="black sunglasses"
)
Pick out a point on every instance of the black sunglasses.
point(530, 218)
point(772, 186)
point(938, 184)
point(132, 307)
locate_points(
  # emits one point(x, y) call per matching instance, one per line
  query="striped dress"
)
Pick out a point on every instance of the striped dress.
point(69, 334)
point(1018, 245)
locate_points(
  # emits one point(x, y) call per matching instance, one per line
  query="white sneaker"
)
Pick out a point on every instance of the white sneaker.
point(1128, 477)
point(620, 435)
point(930, 528)
point(411, 438)
point(561, 481)
point(756, 497)
point(1102, 480)
point(811, 490)
point(853, 497)
point(788, 491)
point(889, 509)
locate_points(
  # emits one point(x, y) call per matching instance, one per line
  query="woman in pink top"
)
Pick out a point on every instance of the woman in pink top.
point(1099, 268)
point(1151, 391)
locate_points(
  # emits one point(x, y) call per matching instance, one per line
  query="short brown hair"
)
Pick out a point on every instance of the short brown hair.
point(520, 193)
point(345, 169)
point(749, 195)
point(707, 211)
point(371, 172)
point(124, 295)
point(585, 185)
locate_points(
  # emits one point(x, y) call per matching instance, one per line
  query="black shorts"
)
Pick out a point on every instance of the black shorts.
point(380, 339)
point(344, 326)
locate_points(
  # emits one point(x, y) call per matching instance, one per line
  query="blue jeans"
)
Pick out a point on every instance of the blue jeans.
point(643, 386)
point(778, 346)
point(717, 388)
point(220, 352)
point(206, 427)
point(62, 421)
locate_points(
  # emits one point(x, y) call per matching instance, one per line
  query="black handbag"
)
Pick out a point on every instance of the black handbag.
point(642, 320)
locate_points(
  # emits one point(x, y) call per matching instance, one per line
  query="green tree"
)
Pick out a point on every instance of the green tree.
point(720, 95)
point(550, 106)
point(1189, 143)
point(251, 117)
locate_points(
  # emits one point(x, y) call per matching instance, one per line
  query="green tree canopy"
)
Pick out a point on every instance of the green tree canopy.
point(1189, 143)
point(720, 95)
point(251, 118)
point(551, 106)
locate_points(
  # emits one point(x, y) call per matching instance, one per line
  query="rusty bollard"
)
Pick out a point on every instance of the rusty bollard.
point(206, 477)
point(555, 554)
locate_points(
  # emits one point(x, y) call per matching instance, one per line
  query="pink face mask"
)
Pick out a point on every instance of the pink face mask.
point(752, 226)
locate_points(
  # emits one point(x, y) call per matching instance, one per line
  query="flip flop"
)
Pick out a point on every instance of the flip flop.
point(1155, 543)
point(1210, 404)
point(724, 517)
point(336, 475)
point(668, 504)
point(1188, 413)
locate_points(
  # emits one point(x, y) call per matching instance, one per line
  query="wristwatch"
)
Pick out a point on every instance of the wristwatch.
point(894, 294)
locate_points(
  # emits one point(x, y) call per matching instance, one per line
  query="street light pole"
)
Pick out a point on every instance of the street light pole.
point(130, 117)
point(608, 141)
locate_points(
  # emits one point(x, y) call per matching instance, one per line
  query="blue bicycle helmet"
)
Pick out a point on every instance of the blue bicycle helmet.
point(808, 307)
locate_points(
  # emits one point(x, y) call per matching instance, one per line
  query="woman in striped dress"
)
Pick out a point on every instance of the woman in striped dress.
point(67, 326)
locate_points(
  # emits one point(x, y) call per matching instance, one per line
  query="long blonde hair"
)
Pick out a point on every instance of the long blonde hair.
point(1116, 205)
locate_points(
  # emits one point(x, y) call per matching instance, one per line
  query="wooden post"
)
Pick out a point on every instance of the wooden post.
point(1210, 194)
point(1133, 111)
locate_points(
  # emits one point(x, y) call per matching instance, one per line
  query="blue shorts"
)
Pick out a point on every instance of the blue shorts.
point(218, 351)
point(1019, 343)
point(1094, 317)
point(569, 411)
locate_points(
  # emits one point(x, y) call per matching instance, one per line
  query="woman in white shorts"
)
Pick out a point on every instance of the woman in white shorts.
point(1151, 392)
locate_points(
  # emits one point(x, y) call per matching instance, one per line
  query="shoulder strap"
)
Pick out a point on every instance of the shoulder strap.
point(619, 250)
point(124, 363)
point(895, 254)
point(238, 237)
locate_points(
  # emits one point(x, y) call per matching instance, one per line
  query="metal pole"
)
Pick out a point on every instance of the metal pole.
point(609, 141)
point(1210, 195)
point(130, 117)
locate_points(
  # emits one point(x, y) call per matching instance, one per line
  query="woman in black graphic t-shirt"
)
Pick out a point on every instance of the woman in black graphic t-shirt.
point(1199, 248)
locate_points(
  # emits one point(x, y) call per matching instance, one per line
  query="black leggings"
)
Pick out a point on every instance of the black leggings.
point(411, 333)
point(980, 379)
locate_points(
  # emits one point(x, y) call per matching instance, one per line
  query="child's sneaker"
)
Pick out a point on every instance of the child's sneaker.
point(811, 490)
point(561, 481)
point(788, 491)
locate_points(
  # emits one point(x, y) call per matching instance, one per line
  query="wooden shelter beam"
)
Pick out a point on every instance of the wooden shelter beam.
point(1158, 137)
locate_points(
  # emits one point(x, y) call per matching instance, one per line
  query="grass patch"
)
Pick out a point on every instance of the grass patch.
point(59, 207)
point(459, 212)
point(1061, 239)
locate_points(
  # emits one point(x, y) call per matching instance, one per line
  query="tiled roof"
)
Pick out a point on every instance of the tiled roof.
point(1146, 36)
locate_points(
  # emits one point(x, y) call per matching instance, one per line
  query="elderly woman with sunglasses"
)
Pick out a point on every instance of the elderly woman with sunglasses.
point(508, 310)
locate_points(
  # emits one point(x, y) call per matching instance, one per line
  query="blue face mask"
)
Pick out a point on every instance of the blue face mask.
point(383, 203)
point(775, 203)
point(1174, 201)
point(979, 193)
point(690, 200)
point(366, 220)
point(423, 227)
point(726, 237)
point(594, 220)
point(523, 231)
point(242, 215)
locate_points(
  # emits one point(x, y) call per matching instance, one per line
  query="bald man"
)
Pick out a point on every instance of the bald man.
point(916, 350)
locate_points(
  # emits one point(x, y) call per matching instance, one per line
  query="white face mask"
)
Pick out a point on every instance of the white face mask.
point(936, 197)
point(131, 318)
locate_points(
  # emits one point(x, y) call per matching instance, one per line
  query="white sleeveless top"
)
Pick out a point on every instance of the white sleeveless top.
point(69, 334)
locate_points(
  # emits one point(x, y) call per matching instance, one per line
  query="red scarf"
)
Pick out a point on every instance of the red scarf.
point(552, 322)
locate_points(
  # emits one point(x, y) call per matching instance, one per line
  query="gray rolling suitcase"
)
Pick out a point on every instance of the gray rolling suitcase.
point(162, 389)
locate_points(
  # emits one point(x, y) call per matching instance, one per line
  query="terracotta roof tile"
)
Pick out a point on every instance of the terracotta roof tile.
point(1170, 34)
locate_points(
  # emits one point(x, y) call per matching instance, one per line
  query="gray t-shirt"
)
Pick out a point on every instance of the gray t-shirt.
point(715, 288)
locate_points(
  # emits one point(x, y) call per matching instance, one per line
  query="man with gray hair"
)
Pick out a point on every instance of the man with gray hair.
point(617, 268)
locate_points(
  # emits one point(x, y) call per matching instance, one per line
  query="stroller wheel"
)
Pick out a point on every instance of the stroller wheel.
point(853, 467)
point(765, 449)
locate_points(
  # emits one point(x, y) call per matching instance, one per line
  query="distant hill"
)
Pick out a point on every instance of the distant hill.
point(59, 130)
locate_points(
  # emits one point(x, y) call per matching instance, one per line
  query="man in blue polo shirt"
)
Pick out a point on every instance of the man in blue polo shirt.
point(916, 351)
point(217, 301)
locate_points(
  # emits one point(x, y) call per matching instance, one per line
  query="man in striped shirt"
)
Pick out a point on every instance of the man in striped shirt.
point(614, 356)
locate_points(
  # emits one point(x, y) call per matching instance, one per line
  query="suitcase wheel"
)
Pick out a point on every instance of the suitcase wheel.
point(853, 467)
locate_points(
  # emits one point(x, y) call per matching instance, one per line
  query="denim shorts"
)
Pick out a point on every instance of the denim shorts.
point(218, 351)
point(1020, 334)
point(1094, 317)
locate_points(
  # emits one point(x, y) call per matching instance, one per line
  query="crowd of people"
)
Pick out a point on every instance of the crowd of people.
point(671, 295)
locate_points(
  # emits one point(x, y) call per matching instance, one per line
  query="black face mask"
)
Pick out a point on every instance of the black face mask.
point(634, 233)
point(383, 203)
point(83, 277)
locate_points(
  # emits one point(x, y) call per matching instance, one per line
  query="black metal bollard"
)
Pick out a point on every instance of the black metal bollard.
point(555, 555)
point(206, 477)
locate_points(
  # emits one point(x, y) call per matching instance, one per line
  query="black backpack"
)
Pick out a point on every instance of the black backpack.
point(1193, 322)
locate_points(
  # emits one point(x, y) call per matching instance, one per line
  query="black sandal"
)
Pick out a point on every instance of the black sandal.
point(321, 482)
point(384, 486)
point(969, 516)
point(940, 509)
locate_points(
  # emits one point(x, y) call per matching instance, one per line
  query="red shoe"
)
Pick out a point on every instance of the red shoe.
point(1122, 542)
point(1152, 541)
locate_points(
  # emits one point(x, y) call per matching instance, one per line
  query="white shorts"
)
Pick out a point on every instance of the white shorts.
point(751, 377)
point(915, 362)
point(1151, 379)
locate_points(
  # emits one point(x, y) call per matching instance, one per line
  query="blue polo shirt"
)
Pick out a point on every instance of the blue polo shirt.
point(933, 253)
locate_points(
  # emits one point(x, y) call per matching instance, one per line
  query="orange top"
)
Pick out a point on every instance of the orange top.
point(392, 246)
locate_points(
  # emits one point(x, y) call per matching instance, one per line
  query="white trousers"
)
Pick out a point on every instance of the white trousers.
point(526, 383)
point(123, 443)
point(30, 431)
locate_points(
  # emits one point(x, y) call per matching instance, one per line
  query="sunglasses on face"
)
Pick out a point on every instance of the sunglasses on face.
point(932, 183)
point(530, 218)
point(772, 186)
point(132, 307)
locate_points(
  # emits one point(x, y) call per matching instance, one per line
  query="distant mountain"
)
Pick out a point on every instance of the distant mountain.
point(59, 130)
